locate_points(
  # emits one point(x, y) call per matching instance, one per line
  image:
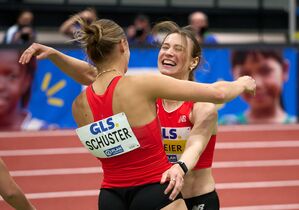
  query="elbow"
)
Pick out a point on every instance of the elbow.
point(220, 97)
point(89, 77)
point(86, 81)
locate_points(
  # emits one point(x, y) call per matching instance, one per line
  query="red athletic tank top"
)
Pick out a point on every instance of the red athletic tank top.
point(143, 165)
point(176, 127)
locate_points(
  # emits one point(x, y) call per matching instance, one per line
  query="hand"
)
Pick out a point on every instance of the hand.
point(38, 50)
point(249, 84)
point(176, 181)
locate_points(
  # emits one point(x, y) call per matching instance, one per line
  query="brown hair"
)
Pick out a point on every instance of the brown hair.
point(99, 38)
point(239, 56)
point(170, 27)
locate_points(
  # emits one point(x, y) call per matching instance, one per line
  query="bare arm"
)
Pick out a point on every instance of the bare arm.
point(204, 118)
point(11, 192)
point(79, 70)
point(159, 86)
point(67, 27)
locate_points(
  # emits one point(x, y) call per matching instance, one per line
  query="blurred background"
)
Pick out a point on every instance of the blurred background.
point(257, 37)
point(223, 26)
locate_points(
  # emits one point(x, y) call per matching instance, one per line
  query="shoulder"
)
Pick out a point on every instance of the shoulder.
point(203, 110)
point(81, 110)
point(80, 100)
point(204, 107)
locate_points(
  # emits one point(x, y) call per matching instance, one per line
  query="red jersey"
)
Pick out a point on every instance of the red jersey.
point(143, 165)
point(176, 127)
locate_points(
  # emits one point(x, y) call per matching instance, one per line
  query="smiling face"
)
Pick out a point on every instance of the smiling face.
point(269, 73)
point(175, 56)
point(14, 81)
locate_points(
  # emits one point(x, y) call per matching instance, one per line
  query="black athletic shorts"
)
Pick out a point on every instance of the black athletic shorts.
point(209, 201)
point(144, 197)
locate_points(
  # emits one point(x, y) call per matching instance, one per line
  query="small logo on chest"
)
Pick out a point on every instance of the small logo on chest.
point(182, 119)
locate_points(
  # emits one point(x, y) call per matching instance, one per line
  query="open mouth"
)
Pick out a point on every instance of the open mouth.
point(167, 62)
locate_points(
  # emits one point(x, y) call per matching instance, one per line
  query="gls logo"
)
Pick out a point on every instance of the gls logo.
point(102, 126)
point(169, 133)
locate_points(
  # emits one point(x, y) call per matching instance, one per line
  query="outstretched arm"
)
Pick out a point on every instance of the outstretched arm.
point(11, 192)
point(79, 70)
point(159, 86)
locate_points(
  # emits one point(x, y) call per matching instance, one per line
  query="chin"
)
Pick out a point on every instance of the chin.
point(166, 72)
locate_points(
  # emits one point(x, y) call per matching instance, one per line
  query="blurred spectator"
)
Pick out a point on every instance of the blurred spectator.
point(15, 89)
point(199, 22)
point(270, 70)
point(70, 26)
point(139, 33)
point(22, 32)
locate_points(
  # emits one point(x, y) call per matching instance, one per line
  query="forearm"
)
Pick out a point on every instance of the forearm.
point(204, 119)
point(18, 200)
point(230, 90)
point(79, 70)
point(11, 192)
point(193, 150)
point(65, 27)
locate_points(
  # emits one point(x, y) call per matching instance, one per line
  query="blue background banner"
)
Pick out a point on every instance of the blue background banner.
point(53, 91)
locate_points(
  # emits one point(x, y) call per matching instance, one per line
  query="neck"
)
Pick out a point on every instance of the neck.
point(171, 105)
point(109, 67)
point(105, 71)
point(267, 115)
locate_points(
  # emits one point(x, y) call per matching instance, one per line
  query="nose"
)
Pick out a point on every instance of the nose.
point(169, 52)
point(258, 81)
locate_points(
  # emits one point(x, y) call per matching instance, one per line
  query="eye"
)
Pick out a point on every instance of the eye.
point(178, 48)
point(12, 76)
point(265, 71)
point(164, 47)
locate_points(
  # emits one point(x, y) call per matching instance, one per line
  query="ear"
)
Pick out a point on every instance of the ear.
point(123, 45)
point(194, 63)
point(285, 73)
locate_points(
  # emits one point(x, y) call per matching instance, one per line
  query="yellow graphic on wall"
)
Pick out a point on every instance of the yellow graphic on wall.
point(50, 91)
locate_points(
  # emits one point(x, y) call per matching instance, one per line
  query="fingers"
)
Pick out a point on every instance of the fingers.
point(27, 54)
point(176, 185)
point(170, 186)
point(164, 177)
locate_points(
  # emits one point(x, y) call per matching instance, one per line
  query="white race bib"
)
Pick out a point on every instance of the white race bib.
point(174, 141)
point(109, 137)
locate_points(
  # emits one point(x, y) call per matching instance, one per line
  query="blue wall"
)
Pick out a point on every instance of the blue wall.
point(53, 92)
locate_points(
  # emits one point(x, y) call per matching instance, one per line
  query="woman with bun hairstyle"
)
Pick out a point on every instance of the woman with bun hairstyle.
point(137, 176)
